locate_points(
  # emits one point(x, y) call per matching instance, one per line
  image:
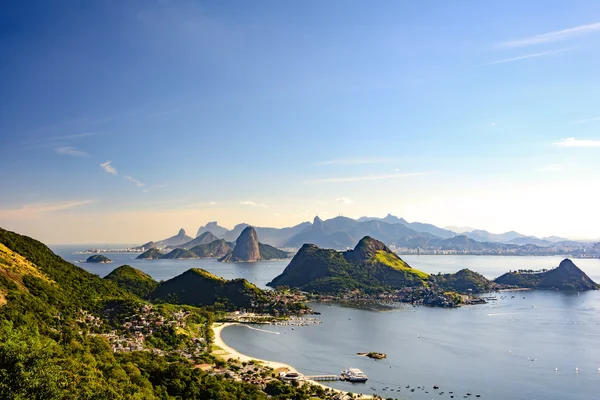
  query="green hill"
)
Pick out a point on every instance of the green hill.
point(371, 266)
point(567, 276)
point(271, 253)
point(179, 254)
point(133, 280)
point(198, 287)
point(98, 259)
point(464, 281)
point(150, 254)
point(217, 248)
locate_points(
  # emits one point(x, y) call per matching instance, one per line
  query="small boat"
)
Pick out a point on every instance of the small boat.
point(354, 375)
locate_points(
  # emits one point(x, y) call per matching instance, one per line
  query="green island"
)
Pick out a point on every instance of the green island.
point(372, 272)
point(374, 355)
point(98, 259)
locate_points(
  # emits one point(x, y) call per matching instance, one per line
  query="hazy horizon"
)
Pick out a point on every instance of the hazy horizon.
point(123, 122)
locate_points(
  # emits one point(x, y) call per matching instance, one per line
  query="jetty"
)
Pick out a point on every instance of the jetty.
point(322, 378)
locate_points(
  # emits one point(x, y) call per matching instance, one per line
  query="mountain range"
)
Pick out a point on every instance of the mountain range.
point(343, 233)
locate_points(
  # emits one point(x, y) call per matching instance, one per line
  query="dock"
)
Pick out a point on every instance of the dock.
point(322, 378)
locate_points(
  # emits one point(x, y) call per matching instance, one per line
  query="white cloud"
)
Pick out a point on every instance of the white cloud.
point(134, 181)
point(551, 168)
point(356, 161)
point(368, 178)
point(524, 57)
point(28, 211)
point(583, 121)
point(552, 36)
point(108, 168)
point(344, 200)
point(70, 151)
point(572, 142)
point(212, 203)
point(253, 204)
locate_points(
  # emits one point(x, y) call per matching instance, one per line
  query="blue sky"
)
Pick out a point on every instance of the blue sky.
point(123, 121)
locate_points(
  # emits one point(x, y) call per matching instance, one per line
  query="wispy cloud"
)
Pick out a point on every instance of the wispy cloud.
point(551, 168)
point(552, 36)
point(583, 121)
point(28, 211)
point(132, 180)
point(108, 168)
point(356, 161)
point(368, 178)
point(70, 151)
point(524, 57)
point(253, 204)
point(76, 136)
point(344, 200)
point(572, 142)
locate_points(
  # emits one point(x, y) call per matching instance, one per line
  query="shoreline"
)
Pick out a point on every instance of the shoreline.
point(226, 352)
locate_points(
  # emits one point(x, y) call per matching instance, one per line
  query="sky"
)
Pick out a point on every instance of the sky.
point(121, 122)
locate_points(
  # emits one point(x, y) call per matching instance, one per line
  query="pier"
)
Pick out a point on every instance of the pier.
point(322, 378)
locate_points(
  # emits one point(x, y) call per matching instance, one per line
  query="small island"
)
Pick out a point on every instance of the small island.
point(373, 355)
point(98, 259)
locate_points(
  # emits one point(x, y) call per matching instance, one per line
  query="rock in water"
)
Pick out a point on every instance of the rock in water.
point(246, 247)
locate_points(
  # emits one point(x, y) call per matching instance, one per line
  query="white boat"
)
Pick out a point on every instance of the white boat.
point(354, 375)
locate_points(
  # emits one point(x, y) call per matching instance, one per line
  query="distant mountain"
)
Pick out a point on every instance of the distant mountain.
point(459, 229)
point(215, 249)
point(416, 226)
point(485, 236)
point(198, 287)
point(341, 233)
point(176, 240)
point(555, 239)
point(145, 246)
point(271, 253)
point(567, 276)
point(133, 280)
point(179, 254)
point(246, 248)
point(203, 238)
point(249, 249)
point(98, 259)
point(214, 228)
point(370, 266)
point(150, 254)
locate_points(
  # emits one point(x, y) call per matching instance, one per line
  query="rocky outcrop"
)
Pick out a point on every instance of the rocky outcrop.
point(151, 254)
point(176, 240)
point(246, 248)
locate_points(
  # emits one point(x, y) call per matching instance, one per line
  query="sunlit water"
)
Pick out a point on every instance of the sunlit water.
point(507, 349)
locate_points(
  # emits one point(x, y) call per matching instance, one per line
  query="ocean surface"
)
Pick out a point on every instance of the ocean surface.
point(507, 349)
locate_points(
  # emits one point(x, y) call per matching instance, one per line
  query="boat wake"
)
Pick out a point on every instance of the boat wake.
point(262, 330)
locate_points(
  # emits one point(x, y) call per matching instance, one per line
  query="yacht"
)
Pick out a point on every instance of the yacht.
point(354, 375)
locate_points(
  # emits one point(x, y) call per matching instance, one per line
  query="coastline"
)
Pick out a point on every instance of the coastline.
point(226, 352)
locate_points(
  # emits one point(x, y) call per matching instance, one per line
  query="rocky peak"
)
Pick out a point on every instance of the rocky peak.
point(366, 248)
point(317, 224)
point(181, 232)
point(246, 246)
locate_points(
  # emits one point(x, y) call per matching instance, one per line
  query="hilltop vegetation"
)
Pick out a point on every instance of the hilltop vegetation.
point(179, 254)
point(198, 287)
point(371, 267)
point(150, 254)
point(217, 248)
point(98, 259)
point(567, 276)
point(465, 281)
point(133, 280)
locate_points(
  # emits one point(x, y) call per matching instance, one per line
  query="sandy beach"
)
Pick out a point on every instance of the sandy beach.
point(226, 352)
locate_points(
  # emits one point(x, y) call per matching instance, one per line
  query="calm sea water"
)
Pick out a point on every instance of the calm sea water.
point(507, 349)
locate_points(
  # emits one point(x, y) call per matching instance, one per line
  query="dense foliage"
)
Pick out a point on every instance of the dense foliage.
point(216, 248)
point(268, 252)
point(567, 276)
point(464, 281)
point(56, 320)
point(371, 267)
point(133, 280)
